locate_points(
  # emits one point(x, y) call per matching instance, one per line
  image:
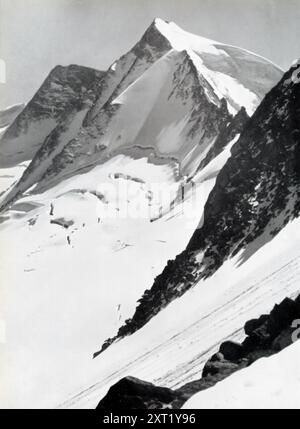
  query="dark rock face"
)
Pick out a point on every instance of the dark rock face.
point(256, 194)
point(66, 93)
point(231, 351)
point(267, 335)
point(253, 324)
point(151, 40)
point(152, 46)
point(259, 183)
point(264, 332)
point(132, 393)
point(219, 367)
point(226, 135)
point(63, 90)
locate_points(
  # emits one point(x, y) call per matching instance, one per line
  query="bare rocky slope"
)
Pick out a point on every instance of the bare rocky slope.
point(65, 90)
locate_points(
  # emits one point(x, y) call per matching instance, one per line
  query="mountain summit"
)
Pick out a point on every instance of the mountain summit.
point(168, 99)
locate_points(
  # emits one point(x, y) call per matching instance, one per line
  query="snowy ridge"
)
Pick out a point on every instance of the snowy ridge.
point(196, 324)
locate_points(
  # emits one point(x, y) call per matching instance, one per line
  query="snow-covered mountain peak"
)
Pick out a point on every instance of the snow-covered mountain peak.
point(181, 39)
point(226, 64)
point(199, 84)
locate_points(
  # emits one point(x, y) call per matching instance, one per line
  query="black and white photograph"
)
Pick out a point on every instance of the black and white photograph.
point(149, 207)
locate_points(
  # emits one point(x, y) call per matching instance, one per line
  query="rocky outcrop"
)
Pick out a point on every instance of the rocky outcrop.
point(63, 89)
point(132, 393)
point(55, 114)
point(228, 132)
point(265, 336)
point(66, 91)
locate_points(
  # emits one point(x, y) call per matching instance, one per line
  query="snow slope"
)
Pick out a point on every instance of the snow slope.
point(249, 240)
point(56, 291)
point(191, 328)
point(270, 383)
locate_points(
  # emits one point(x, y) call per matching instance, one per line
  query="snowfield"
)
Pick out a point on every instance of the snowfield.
point(270, 383)
point(191, 328)
point(55, 291)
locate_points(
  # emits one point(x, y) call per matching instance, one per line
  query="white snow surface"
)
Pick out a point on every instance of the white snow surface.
point(192, 328)
point(227, 65)
point(270, 383)
point(59, 301)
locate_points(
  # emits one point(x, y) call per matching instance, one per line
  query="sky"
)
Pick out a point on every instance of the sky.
point(36, 35)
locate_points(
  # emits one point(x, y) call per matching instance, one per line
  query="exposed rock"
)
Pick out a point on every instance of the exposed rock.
point(253, 324)
point(217, 357)
point(65, 90)
point(62, 222)
point(213, 368)
point(132, 393)
point(231, 351)
point(227, 134)
point(283, 340)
